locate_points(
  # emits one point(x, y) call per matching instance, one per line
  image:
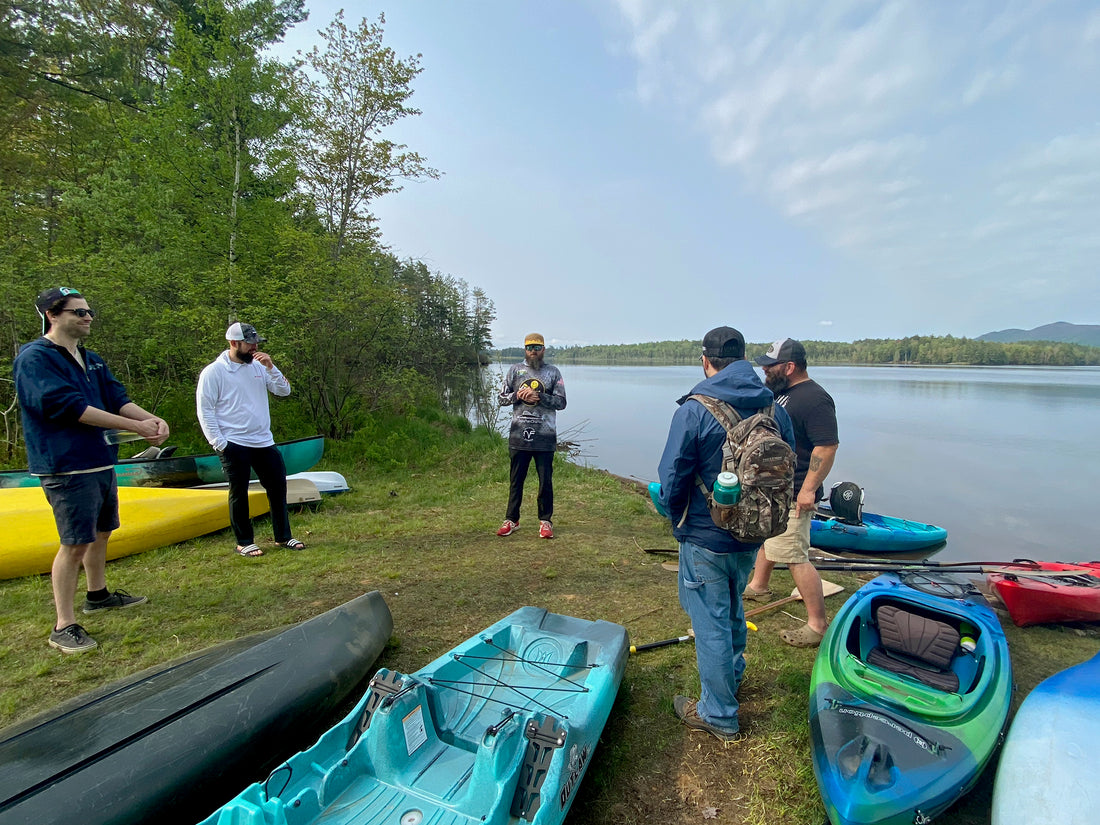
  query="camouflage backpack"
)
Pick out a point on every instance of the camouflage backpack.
point(764, 463)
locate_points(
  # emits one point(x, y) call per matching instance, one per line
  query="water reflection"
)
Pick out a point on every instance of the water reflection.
point(1002, 457)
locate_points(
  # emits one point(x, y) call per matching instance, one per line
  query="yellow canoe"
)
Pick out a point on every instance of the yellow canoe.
point(151, 517)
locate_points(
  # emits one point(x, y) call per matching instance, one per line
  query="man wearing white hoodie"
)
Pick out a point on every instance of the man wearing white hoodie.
point(233, 411)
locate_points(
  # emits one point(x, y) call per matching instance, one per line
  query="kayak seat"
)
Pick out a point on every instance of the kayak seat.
point(916, 646)
point(404, 745)
point(846, 502)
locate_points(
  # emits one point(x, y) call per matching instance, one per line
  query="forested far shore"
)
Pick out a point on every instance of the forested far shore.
point(919, 349)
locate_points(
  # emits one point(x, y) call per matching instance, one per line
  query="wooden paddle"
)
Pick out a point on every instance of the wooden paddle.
point(827, 589)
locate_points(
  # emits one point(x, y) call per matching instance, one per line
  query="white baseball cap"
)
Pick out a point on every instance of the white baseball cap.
point(243, 332)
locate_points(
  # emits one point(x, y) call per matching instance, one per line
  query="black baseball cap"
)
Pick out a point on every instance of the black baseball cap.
point(724, 342)
point(785, 349)
point(49, 298)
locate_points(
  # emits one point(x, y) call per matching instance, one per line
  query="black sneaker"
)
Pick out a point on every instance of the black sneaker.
point(120, 598)
point(72, 639)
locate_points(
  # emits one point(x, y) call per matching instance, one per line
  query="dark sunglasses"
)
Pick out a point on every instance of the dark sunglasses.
point(535, 347)
point(80, 312)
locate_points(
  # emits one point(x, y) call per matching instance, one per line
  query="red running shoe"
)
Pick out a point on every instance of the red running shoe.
point(546, 530)
point(507, 528)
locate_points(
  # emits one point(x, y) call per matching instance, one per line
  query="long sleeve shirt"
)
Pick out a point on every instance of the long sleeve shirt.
point(54, 391)
point(232, 402)
point(534, 426)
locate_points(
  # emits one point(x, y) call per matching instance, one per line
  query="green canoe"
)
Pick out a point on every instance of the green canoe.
point(189, 470)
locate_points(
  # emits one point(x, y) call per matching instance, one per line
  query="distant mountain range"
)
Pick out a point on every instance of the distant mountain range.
point(1087, 334)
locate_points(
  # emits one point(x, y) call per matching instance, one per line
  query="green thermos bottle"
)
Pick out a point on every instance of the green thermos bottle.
point(727, 488)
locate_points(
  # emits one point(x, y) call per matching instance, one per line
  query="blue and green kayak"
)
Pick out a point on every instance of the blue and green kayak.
point(909, 696)
point(499, 730)
point(188, 470)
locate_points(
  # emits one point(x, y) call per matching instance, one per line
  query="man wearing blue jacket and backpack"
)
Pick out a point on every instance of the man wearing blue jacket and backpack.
point(714, 566)
point(69, 399)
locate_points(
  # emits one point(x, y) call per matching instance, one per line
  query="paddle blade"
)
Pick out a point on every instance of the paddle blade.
point(827, 589)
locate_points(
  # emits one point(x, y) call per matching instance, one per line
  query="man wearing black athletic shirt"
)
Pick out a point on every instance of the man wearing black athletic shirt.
point(814, 417)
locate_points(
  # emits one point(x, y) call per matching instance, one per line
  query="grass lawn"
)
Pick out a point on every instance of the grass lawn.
point(424, 536)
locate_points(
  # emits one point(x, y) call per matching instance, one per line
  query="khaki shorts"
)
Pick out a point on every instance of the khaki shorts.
point(793, 546)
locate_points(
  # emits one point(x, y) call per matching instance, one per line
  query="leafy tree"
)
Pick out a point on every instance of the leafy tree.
point(358, 89)
point(151, 154)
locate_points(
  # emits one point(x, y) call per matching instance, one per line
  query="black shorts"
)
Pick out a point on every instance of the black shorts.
point(84, 504)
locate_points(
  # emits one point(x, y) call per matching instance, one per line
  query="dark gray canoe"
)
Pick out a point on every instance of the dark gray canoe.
point(173, 743)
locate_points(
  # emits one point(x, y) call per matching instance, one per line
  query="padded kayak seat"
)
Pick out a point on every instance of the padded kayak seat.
point(916, 646)
point(846, 502)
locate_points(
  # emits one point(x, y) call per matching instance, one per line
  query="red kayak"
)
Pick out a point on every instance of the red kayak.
point(1051, 599)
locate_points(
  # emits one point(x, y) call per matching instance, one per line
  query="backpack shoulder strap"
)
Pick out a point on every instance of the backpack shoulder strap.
point(727, 416)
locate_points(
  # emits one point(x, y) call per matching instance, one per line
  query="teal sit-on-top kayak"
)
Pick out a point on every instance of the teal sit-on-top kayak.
point(499, 730)
point(1047, 770)
point(875, 533)
point(909, 696)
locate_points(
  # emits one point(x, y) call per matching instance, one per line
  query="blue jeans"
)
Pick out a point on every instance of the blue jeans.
point(711, 585)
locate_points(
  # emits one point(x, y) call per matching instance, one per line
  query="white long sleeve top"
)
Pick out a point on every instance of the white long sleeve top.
point(232, 402)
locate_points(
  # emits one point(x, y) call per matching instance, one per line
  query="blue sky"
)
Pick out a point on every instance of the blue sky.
point(640, 170)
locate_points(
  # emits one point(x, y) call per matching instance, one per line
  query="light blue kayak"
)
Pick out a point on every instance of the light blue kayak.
point(1047, 770)
point(499, 730)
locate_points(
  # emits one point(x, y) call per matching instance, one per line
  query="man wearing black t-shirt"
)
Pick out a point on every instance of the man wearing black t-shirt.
point(814, 417)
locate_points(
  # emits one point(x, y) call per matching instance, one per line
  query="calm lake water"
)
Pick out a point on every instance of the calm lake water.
point(1005, 458)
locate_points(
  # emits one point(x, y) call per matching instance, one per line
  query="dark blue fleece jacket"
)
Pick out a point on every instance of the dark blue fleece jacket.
point(54, 391)
point(694, 447)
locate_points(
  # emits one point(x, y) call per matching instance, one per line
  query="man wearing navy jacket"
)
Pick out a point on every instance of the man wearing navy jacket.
point(714, 566)
point(69, 399)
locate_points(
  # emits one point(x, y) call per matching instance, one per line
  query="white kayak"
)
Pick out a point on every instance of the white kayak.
point(326, 481)
point(298, 490)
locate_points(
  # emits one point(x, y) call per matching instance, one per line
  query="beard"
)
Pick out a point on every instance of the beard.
point(776, 382)
point(535, 361)
point(245, 357)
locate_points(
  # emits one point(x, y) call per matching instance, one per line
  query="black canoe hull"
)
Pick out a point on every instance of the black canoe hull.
point(174, 742)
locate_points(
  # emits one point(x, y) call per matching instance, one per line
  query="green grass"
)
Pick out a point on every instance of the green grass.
point(419, 526)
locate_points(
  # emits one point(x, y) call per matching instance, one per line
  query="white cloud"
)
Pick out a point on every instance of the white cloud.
point(1090, 32)
point(943, 142)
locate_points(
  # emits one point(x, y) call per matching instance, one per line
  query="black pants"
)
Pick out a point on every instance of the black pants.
point(238, 463)
point(544, 466)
